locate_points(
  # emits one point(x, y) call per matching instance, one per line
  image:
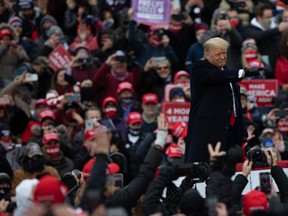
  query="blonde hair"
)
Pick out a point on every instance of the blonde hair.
point(215, 42)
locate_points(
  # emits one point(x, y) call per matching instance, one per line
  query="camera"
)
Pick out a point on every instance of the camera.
point(84, 60)
point(257, 156)
point(90, 20)
point(223, 16)
point(160, 34)
point(178, 17)
point(32, 78)
point(239, 4)
point(199, 172)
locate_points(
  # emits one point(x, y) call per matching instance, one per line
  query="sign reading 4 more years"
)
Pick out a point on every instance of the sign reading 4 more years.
point(262, 90)
point(175, 111)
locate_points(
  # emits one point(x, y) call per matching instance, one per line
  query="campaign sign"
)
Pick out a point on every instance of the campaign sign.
point(175, 111)
point(59, 58)
point(151, 12)
point(262, 90)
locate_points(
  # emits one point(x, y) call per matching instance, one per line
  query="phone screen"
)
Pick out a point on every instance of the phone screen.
point(118, 180)
point(265, 182)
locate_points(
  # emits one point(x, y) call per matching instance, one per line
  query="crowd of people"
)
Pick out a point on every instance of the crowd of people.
point(90, 139)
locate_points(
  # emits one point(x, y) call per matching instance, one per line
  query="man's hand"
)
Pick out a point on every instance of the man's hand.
point(103, 144)
point(252, 71)
point(246, 168)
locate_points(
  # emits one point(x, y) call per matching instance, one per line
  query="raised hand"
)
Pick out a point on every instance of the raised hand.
point(215, 152)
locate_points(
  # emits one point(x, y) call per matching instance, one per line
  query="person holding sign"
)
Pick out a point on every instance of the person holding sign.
point(216, 114)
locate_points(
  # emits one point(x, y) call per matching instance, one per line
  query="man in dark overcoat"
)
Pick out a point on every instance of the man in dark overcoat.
point(216, 113)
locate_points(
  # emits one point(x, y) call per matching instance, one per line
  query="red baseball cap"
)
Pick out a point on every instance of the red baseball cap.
point(50, 190)
point(46, 114)
point(179, 129)
point(40, 101)
point(149, 98)
point(49, 137)
point(124, 86)
point(254, 200)
point(107, 100)
point(112, 168)
point(173, 151)
point(89, 135)
point(5, 32)
point(181, 73)
point(134, 117)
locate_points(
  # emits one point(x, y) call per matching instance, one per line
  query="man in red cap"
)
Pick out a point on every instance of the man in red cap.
point(132, 140)
point(53, 155)
point(182, 77)
point(150, 111)
point(127, 100)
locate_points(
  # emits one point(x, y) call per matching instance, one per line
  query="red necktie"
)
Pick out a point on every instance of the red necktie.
point(232, 118)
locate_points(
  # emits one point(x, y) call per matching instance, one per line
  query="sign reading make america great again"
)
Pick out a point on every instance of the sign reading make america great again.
point(59, 58)
point(263, 91)
point(151, 12)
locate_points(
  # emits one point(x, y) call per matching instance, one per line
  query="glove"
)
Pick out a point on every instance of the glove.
point(252, 71)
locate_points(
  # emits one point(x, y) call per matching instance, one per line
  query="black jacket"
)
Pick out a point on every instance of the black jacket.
point(128, 196)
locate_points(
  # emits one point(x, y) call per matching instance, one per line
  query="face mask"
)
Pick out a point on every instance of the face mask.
point(134, 132)
point(200, 39)
point(283, 128)
point(7, 144)
point(52, 151)
point(250, 55)
point(154, 40)
point(175, 28)
point(34, 164)
point(126, 100)
point(108, 23)
point(234, 23)
point(267, 142)
point(110, 112)
point(266, 23)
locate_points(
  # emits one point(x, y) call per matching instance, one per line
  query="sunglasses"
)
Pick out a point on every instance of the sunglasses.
point(160, 68)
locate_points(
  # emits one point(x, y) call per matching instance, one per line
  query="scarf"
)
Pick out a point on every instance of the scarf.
point(119, 76)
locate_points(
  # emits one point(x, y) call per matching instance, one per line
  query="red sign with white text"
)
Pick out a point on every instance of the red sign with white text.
point(262, 90)
point(59, 58)
point(175, 111)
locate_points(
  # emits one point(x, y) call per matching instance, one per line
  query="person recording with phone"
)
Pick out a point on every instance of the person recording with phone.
point(83, 65)
point(157, 74)
point(216, 113)
point(114, 71)
point(158, 43)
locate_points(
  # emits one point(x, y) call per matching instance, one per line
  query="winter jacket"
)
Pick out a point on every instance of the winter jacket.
point(281, 70)
point(11, 57)
point(106, 84)
point(128, 196)
point(146, 51)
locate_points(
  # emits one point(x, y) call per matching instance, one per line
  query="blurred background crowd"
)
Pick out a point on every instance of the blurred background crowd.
point(52, 120)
